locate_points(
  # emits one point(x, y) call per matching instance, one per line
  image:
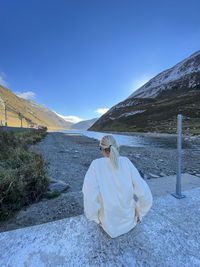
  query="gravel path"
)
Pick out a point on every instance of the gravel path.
point(69, 157)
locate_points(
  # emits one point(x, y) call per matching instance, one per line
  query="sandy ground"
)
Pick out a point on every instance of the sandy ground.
point(68, 158)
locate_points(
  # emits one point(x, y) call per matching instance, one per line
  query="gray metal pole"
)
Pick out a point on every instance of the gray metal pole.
point(21, 118)
point(6, 117)
point(179, 155)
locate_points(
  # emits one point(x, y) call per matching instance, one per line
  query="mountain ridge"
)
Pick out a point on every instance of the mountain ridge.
point(170, 75)
point(155, 105)
point(27, 113)
point(84, 125)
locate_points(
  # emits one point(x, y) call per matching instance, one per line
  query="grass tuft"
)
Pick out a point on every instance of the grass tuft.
point(23, 178)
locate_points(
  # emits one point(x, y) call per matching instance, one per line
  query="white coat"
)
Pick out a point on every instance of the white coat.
point(109, 195)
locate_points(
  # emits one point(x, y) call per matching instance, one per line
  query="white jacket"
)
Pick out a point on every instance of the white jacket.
point(109, 195)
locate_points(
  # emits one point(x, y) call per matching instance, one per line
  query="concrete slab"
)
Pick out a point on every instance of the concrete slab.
point(167, 185)
point(167, 236)
point(184, 213)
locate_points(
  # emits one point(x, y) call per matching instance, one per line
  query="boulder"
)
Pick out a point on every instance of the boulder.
point(58, 186)
point(154, 175)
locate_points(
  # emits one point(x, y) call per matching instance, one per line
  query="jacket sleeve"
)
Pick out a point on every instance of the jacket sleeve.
point(142, 192)
point(90, 191)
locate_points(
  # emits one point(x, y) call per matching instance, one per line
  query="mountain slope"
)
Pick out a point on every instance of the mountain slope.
point(155, 105)
point(28, 112)
point(84, 125)
point(186, 71)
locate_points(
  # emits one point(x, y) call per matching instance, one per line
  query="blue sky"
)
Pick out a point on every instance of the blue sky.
point(80, 58)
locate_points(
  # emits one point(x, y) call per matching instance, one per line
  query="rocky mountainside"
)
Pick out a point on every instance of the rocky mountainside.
point(84, 125)
point(155, 105)
point(27, 112)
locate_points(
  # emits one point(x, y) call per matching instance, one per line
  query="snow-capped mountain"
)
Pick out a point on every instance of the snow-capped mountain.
point(76, 123)
point(71, 118)
point(155, 105)
point(166, 79)
point(84, 125)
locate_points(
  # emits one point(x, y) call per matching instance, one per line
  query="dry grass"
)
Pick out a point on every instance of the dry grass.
point(23, 178)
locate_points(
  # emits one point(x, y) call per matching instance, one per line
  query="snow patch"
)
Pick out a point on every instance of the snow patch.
point(131, 113)
point(126, 114)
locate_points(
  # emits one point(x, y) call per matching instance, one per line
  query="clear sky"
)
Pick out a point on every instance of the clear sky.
point(82, 56)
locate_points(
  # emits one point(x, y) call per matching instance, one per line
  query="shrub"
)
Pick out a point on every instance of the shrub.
point(23, 178)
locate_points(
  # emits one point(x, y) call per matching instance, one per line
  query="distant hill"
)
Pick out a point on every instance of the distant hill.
point(83, 125)
point(28, 112)
point(155, 105)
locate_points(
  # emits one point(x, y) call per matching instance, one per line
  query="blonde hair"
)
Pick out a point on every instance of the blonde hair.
point(108, 141)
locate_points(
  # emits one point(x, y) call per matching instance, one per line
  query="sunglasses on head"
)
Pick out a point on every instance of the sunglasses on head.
point(106, 149)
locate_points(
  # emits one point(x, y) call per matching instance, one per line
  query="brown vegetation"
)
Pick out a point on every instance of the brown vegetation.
point(23, 178)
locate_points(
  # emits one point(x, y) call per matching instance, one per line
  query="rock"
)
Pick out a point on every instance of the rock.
point(86, 164)
point(154, 175)
point(146, 176)
point(64, 151)
point(53, 180)
point(192, 172)
point(137, 156)
point(58, 186)
point(162, 174)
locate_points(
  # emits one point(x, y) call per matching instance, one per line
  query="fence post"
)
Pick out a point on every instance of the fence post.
point(6, 117)
point(179, 155)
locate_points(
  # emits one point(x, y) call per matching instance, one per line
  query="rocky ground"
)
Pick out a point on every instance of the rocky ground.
point(68, 158)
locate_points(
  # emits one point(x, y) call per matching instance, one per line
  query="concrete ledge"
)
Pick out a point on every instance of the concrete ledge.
point(167, 185)
point(168, 236)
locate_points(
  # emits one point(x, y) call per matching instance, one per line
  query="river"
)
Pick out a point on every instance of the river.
point(134, 140)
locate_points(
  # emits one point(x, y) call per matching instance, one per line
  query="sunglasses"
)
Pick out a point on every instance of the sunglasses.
point(106, 149)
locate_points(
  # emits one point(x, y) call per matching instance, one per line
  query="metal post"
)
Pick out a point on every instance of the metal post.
point(6, 117)
point(21, 118)
point(179, 154)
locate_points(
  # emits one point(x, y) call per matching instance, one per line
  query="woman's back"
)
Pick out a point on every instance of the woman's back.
point(109, 195)
point(115, 185)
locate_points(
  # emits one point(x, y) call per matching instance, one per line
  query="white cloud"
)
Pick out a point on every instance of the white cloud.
point(2, 79)
point(101, 111)
point(26, 95)
point(70, 118)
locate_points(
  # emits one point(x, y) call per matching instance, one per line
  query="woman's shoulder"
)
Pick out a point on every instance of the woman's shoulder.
point(128, 161)
point(106, 158)
point(124, 158)
point(98, 160)
point(103, 159)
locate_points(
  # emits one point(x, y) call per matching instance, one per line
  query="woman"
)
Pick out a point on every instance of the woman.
point(109, 188)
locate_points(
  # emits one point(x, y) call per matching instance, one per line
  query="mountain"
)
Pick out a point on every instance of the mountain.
point(83, 125)
point(155, 105)
point(28, 112)
point(71, 118)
